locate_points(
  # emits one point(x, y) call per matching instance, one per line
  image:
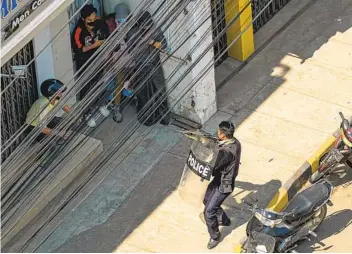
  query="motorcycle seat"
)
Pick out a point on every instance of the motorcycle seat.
point(309, 199)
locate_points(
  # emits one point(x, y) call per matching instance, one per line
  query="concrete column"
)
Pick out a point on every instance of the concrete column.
point(200, 103)
point(61, 49)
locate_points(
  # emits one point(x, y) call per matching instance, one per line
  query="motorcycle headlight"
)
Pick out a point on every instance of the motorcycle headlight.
point(261, 249)
point(267, 222)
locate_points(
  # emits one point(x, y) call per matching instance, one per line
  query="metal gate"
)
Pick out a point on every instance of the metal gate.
point(18, 97)
point(274, 7)
point(219, 24)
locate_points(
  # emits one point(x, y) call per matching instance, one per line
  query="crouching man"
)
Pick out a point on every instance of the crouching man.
point(43, 105)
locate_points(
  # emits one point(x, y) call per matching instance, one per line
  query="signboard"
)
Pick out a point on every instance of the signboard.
point(16, 19)
point(200, 168)
point(8, 6)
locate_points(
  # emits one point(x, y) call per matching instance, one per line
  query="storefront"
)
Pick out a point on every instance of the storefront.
point(27, 31)
point(35, 31)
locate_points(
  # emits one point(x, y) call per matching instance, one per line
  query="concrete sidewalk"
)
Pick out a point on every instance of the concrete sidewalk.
point(285, 103)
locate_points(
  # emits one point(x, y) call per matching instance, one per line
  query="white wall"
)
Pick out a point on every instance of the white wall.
point(200, 103)
point(56, 59)
point(61, 49)
point(62, 53)
point(44, 61)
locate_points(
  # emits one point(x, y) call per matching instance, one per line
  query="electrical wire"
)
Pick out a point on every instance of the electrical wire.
point(65, 99)
point(187, 90)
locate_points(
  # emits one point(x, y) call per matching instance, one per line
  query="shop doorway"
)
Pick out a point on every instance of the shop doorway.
point(19, 96)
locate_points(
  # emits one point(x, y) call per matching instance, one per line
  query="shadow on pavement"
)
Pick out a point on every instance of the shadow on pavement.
point(237, 211)
point(300, 40)
point(290, 49)
point(145, 198)
point(341, 177)
point(332, 225)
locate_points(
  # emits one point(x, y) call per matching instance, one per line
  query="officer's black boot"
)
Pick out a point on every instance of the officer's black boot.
point(214, 242)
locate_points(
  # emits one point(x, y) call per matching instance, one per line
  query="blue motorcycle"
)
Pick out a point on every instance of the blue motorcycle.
point(270, 231)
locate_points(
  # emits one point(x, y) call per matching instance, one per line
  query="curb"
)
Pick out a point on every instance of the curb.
point(293, 185)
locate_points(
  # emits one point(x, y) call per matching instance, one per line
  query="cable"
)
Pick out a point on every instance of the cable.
point(206, 70)
point(56, 110)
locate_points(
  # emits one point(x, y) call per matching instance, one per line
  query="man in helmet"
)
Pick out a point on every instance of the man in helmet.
point(43, 105)
point(223, 183)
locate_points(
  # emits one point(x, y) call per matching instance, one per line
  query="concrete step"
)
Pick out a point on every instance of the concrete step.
point(69, 170)
point(108, 190)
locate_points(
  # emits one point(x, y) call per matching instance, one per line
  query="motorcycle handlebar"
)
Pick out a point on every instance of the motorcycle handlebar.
point(247, 203)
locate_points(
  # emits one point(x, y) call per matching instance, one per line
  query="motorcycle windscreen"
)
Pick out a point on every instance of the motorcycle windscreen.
point(197, 172)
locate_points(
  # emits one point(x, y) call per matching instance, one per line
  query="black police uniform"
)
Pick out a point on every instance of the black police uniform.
point(225, 173)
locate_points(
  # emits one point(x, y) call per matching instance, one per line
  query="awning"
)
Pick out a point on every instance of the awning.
point(47, 12)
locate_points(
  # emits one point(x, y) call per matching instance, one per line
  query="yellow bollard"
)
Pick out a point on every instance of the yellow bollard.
point(244, 46)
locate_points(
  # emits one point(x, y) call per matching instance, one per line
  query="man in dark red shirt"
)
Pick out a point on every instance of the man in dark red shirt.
point(88, 35)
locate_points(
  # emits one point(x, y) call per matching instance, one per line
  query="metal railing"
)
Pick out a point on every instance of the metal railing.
point(268, 13)
point(219, 24)
point(18, 98)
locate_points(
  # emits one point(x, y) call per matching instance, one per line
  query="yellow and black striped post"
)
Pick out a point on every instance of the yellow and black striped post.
point(244, 45)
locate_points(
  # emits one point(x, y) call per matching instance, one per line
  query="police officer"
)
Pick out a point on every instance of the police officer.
point(225, 172)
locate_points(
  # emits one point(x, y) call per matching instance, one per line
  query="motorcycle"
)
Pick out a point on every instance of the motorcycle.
point(270, 231)
point(341, 152)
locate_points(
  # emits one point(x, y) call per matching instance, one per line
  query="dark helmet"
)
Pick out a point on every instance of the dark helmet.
point(121, 12)
point(50, 86)
point(227, 128)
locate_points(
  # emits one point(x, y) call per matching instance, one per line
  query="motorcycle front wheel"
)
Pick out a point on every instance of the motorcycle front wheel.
point(319, 216)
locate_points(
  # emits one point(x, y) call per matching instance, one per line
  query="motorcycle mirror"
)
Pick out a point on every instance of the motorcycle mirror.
point(345, 124)
point(252, 197)
point(245, 201)
point(342, 117)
